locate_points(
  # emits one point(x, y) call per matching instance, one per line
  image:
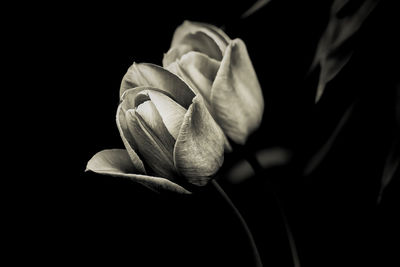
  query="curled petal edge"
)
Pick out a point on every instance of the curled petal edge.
point(151, 75)
point(128, 142)
point(116, 163)
point(187, 27)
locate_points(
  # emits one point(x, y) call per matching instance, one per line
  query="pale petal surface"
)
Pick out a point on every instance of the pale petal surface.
point(187, 27)
point(236, 95)
point(155, 146)
point(199, 149)
point(199, 42)
point(128, 140)
point(150, 75)
point(198, 70)
point(171, 112)
point(117, 163)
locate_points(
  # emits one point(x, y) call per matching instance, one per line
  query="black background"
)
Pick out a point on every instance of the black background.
point(79, 54)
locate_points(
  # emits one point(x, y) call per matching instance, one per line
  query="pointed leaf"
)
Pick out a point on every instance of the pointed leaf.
point(333, 51)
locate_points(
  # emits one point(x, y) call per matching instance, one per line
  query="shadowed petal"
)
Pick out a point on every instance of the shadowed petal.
point(198, 70)
point(199, 149)
point(150, 75)
point(116, 162)
point(236, 96)
point(219, 37)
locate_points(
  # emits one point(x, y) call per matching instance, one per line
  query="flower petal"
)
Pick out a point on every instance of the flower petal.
point(150, 75)
point(198, 71)
point(199, 149)
point(236, 96)
point(157, 151)
point(197, 41)
point(128, 140)
point(170, 112)
point(152, 119)
point(116, 162)
point(219, 37)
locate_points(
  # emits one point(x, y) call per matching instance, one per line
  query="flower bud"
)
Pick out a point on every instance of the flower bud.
point(220, 70)
point(175, 138)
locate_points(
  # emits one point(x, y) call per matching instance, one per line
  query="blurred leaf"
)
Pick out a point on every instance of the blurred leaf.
point(391, 167)
point(320, 155)
point(256, 6)
point(334, 48)
point(265, 159)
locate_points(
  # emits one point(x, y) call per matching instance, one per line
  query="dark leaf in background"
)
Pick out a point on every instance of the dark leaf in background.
point(391, 168)
point(255, 7)
point(335, 48)
point(319, 156)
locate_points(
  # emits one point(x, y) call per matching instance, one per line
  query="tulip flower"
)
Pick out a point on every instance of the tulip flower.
point(220, 70)
point(170, 137)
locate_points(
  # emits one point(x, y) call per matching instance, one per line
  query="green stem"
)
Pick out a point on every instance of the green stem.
point(256, 254)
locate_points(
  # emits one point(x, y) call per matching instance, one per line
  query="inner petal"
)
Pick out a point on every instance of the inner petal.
point(155, 145)
point(199, 70)
point(170, 112)
point(151, 117)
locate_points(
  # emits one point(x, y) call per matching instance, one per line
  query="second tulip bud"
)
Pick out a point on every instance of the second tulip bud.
point(221, 71)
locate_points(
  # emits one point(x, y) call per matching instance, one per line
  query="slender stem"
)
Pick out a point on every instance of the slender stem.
point(292, 244)
point(256, 254)
point(295, 256)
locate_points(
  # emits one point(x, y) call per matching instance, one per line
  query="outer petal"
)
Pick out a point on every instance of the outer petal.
point(220, 38)
point(198, 70)
point(116, 162)
point(199, 149)
point(150, 75)
point(236, 96)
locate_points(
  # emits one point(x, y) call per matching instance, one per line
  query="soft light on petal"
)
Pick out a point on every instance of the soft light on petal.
point(203, 43)
point(198, 70)
point(170, 112)
point(150, 75)
point(155, 146)
point(117, 163)
point(236, 96)
point(199, 149)
point(128, 140)
point(219, 37)
point(174, 54)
